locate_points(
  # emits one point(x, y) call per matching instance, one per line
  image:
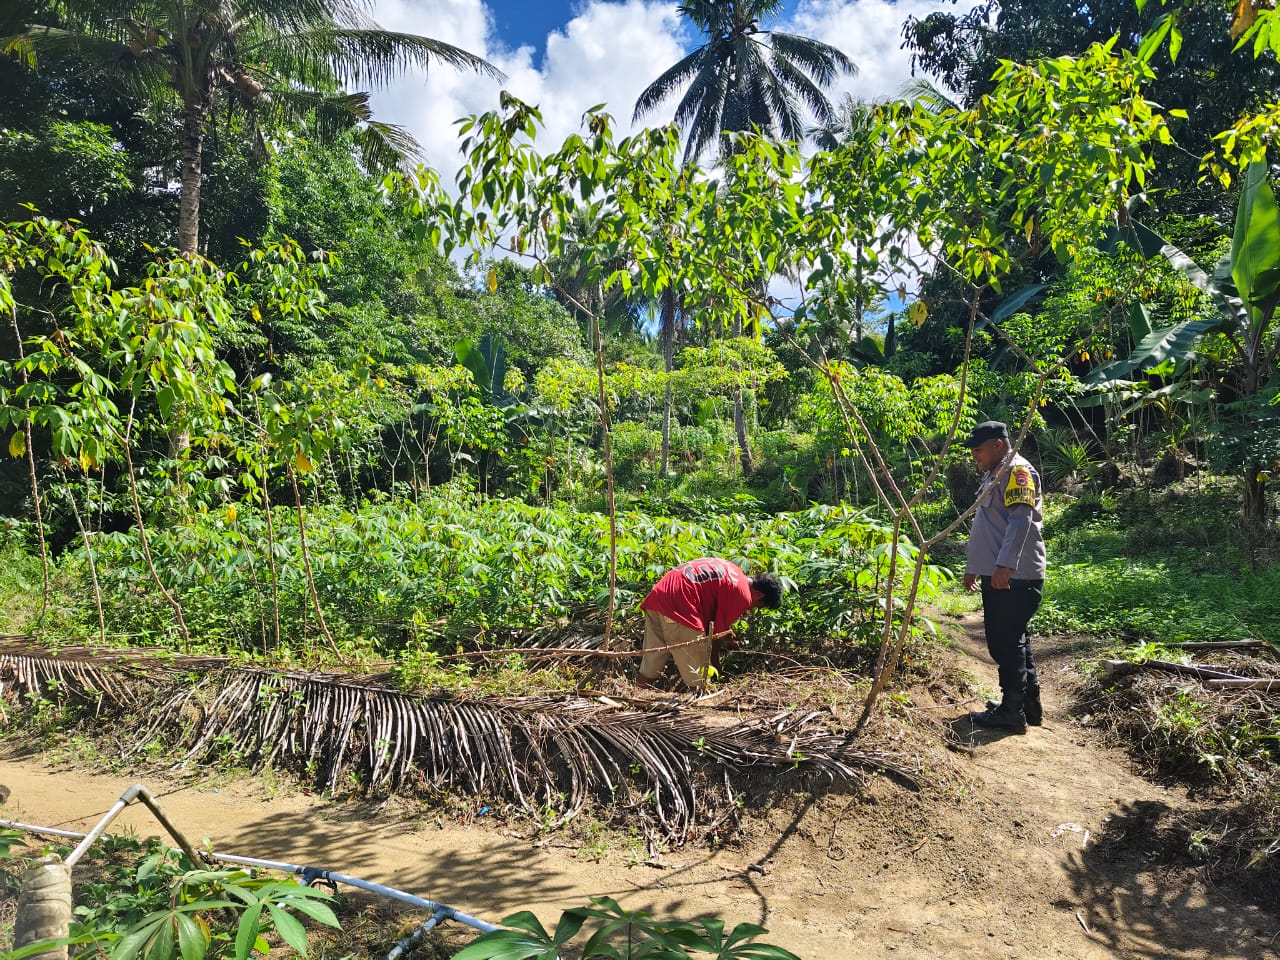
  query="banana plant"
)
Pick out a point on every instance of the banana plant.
point(1245, 286)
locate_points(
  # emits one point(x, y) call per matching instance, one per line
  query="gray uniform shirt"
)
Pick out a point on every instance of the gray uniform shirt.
point(1008, 527)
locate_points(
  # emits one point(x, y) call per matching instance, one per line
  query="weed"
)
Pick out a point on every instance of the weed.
point(595, 845)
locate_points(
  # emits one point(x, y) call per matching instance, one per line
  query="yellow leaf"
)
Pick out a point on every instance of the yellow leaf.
point(86, 461)
point(256, 314)
point(493, 280)
point(18, 444)
point(917, 313)
point(1242, 18)
point(1084, 354)
point(232, 513)
point(303, 463)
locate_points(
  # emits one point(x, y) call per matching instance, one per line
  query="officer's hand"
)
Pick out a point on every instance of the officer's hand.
point(970, 582)
point(1000, 579)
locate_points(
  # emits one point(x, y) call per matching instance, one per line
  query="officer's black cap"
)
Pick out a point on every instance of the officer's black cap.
point(988, 430)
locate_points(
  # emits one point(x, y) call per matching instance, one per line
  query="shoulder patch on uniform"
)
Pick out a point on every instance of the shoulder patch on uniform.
point(1021, 488)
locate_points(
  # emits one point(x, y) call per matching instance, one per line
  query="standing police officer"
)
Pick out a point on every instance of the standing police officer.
point(1006, 555)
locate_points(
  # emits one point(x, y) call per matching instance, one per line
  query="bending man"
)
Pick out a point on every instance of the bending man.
point(683, 607)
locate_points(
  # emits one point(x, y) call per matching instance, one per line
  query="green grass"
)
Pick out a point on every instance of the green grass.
point(1165, 566)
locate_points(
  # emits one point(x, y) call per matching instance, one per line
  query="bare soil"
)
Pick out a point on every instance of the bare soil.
point(1035, 846)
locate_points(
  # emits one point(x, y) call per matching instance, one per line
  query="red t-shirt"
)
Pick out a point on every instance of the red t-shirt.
point(701, 592)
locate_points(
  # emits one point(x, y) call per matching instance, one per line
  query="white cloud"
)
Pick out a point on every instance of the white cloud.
point(869, 32)
point(608, 53)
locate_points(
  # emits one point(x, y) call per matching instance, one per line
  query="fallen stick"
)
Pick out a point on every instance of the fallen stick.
point(1219, 644)
point(1116, 668)
point(1245, 683)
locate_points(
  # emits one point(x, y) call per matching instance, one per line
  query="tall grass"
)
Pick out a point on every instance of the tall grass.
point(1163, 566)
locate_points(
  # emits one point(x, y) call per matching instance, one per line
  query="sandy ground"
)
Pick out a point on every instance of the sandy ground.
point(1039, 847)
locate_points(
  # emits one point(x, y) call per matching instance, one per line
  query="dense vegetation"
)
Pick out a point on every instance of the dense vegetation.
point(358, 418)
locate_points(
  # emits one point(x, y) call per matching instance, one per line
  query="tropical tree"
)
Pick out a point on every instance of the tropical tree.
point(744, 77)
point(1245, 287)
point(273, 59)
point(1202, 75)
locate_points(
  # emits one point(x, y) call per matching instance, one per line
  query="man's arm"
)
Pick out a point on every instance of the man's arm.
point(1016, 535)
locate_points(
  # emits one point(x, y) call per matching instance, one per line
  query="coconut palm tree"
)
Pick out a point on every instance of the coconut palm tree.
point(744, 77)
point(273, 59)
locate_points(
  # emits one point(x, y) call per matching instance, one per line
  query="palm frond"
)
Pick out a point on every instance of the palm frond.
point(921, 91)
point(385, 147)
point(145, 72)
point(363, 56)
point(701, 112)
point(821, 61)
point(672, 769)
point(799, 85)
point(671, 78)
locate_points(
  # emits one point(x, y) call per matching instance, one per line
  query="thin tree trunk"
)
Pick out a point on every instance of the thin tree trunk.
point(1257, 505)
point(31, 467)
point(668, 313)
point(145, 542)
point(192, 171)
point(858, 304)
point(88, 552)
point(306, 563)
point(271, 560)
point(189, 215)
point(740, 418)
point(603, 400)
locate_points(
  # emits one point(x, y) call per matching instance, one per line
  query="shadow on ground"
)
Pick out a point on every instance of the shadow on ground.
point(1122, 896)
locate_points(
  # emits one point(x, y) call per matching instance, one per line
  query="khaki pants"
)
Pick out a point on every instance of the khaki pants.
point(692, 661)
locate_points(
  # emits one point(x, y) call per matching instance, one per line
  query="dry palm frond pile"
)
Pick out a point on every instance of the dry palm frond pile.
point(669, 768)
point(1224, 741)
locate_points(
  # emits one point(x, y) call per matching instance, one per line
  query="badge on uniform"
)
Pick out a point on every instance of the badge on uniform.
point(1021, 488)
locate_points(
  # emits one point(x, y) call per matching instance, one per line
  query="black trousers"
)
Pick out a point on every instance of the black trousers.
point(1005, 615)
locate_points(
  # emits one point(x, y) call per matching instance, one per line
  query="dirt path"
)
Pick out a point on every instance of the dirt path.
point(995, 864)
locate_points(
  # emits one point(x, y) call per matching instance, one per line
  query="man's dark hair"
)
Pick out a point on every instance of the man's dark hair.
point(770, 589)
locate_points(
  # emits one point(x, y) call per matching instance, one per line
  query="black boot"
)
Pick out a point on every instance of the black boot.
point(1001, 718)
point(1031, 708)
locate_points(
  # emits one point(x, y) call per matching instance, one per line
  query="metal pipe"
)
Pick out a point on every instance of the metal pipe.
point(35, 828)
point(308, 875)
point(96, 832)
point(136, 792)
point(311, 874)
point(414, 938)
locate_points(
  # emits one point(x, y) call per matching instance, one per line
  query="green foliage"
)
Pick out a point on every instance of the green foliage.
point(1065, 457)
point(61, 162)
point(620, 934)
point(148, 902)
point(302, 55)
point(455, 566)
point(1164, 568)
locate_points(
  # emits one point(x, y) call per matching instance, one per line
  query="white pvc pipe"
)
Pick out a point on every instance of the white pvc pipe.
point(308, 874)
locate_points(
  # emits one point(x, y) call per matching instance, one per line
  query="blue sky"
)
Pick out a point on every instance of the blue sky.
point(519, 22)
point(528, 22)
